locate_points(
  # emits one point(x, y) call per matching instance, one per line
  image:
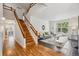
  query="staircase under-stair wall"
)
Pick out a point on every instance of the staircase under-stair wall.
point(19, 37)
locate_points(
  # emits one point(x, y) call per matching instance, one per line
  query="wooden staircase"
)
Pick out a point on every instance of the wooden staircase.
point(26, 32)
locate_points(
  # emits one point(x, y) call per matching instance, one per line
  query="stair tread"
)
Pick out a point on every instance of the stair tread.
point(26, 32)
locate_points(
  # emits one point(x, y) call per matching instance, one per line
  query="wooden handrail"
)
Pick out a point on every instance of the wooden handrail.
point(17, 18)
point(31, 26)
point(31, 5)
point(8, 8)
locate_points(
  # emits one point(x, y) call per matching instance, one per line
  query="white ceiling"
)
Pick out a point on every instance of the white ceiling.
point(22, 5)
point(20, 9)
point(19, 5)
point(50, 11)
point(55, 11)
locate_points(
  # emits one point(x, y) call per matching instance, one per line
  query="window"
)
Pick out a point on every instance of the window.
point(62, 27)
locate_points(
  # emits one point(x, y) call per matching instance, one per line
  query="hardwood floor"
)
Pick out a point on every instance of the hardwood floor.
point(30, 50)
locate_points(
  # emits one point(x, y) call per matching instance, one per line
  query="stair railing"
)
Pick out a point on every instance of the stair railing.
point(32, 27)
point(8, 8)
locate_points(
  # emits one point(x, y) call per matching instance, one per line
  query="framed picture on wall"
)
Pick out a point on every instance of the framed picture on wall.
point(43, 27)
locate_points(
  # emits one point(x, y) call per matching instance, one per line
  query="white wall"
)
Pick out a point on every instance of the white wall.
point(8, 14)
point(19, 37)
point(52, 26)
point(19, 11)
point(37, 23)
point(73, 23)
point(1, 11)
point(1, 40)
